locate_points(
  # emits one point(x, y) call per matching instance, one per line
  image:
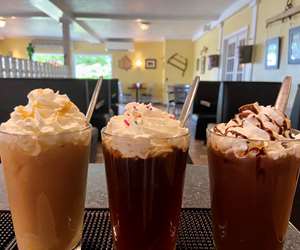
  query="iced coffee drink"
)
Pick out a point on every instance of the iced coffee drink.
point(145, 153)
point(254, 162)
point(44, 149)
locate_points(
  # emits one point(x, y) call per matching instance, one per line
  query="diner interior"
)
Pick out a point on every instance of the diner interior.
point(151, 52)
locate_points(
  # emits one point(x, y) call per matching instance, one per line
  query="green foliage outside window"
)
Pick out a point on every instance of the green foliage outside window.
point(86, 66)
point(93, 66)
point(49, 58)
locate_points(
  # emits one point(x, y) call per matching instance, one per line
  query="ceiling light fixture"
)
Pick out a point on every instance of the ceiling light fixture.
point(144, 25)
point(2, 23)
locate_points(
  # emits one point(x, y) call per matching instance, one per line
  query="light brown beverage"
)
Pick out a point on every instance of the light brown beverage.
point(46, 192)
point(252, 181)
point(45, 174)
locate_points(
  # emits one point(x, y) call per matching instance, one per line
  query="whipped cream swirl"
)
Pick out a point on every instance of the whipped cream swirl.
point(257, 123)
point(144, 130)
point(46, 113)
point(48, 118)
point(262, 130)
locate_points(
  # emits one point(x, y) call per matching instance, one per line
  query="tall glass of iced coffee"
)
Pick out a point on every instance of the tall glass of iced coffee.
point(145, 159)
point(254, 162)
point(44, 148)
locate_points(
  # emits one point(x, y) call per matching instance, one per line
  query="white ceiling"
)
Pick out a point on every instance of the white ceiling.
point(159, 29)
point(170, 19)
point(155, 7)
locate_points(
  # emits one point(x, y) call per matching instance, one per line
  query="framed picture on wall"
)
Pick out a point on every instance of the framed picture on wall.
point(272, 53)
point(150, 63)
point(294, 46)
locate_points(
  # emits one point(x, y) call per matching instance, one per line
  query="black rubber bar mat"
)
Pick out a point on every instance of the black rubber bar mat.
point(195, 230)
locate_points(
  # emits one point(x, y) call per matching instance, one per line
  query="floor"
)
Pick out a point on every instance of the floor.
point(197, 149)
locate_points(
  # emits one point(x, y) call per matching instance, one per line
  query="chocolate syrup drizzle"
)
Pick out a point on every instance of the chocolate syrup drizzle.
point(252, 113)
point(278, 127)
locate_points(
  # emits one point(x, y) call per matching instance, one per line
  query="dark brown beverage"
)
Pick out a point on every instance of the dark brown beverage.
point(145, 199)
point(254, 165)
point(251, 200)
point(145, 152)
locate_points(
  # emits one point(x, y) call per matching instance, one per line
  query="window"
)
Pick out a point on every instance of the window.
point(232, 69)
point(86, 66)
point(57, 59)
point(93, 66)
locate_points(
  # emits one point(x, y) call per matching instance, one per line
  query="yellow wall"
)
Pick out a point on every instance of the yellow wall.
point(14, 47)
point(211, 41)
point(241, 19)
point(238, 21)
point(142, 50)
point(2, 49)
point(151, 77)
point(171, 74)
point(183, 48)
point(267, 9)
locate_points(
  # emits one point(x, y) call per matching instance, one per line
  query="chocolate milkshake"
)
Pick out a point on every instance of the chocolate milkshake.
point(44, 148)
point(145, 159)
point(254, 163)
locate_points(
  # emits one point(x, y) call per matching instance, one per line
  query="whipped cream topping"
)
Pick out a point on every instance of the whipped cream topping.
point(262, 130)
point(257, 122)
point(47, 113)
point(144, 130)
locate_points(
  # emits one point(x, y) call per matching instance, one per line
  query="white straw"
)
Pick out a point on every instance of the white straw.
point(189, 101)
point(93, 101)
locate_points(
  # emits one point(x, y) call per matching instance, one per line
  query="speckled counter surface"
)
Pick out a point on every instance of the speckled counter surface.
point(196, 194)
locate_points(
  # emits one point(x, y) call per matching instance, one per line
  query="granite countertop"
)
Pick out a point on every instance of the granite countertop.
point(196, 194)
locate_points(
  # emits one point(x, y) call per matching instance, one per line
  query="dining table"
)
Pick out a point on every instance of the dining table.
point(137, 87)
point(196, 195)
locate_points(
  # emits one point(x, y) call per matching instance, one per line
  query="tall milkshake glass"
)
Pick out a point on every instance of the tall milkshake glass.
point(145, 177)
point(45, 176)
point(254, 163)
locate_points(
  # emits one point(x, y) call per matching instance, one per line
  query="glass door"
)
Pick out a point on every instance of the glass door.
point(232, 69)
point(230, 59)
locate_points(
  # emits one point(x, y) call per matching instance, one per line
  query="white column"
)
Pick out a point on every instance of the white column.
point(67, 44)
